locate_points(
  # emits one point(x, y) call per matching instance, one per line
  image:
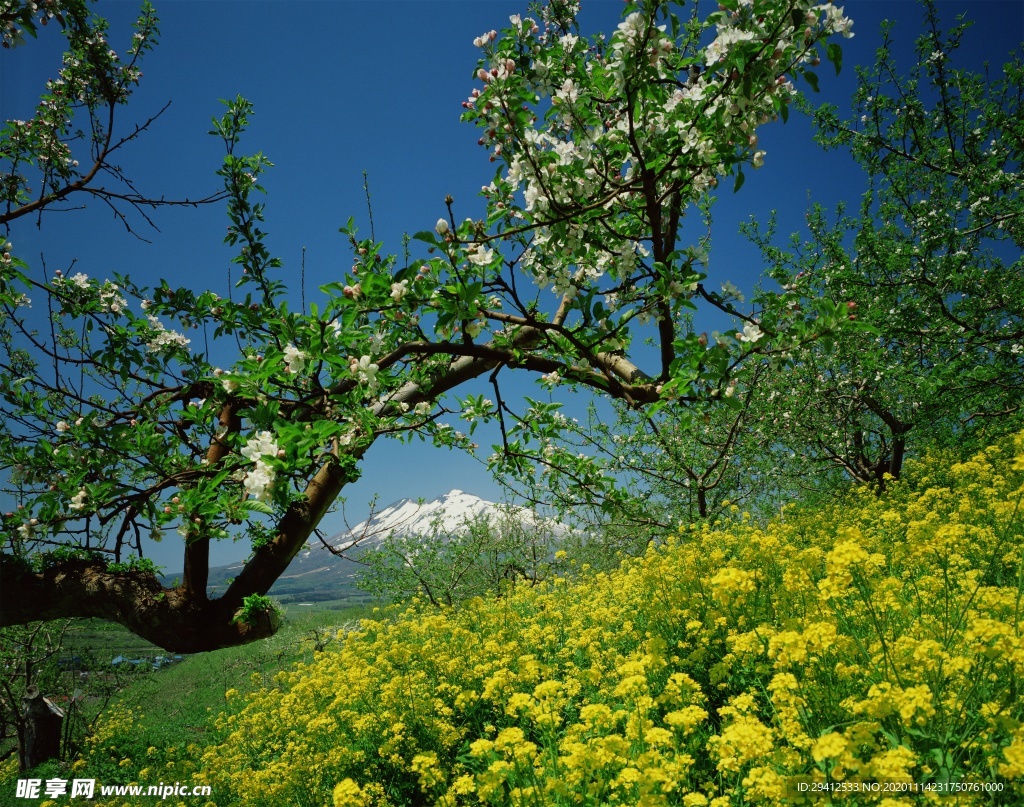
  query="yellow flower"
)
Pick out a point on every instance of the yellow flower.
point(828, 746)
point(915, 704)
point(893, 765)
point(687, 718)
point(348, 794)
point(426, 766)
point(1013, 768)
point(731, 583)
point(744, 740)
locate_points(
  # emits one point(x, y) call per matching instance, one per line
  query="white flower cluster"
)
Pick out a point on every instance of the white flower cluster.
point(110, 298)
point(260, 480)
point(78, 287)
point(164, 340)
point(551, 380)
point(399, 290)
point(472, 412)
point(78, 501)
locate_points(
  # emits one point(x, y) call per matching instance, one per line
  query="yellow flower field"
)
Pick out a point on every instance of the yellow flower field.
point(873, 647)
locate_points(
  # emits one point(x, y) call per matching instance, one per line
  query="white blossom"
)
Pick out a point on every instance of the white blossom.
point(295, 359)
point(259, 481)
point(399, 290)
point(259, 445)
point(481, 256)
point(551, 379)
point(365, 371)
point(751, 333)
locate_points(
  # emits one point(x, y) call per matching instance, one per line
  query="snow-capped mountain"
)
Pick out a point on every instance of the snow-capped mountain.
point(317, 574)
point(409, 517)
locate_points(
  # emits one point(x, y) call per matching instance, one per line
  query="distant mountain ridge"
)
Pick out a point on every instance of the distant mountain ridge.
point(411, 517)
point(317, 575)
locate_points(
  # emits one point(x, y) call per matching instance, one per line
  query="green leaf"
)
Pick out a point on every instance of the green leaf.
point(257, 506)
point(740, 179)
point(835, 55)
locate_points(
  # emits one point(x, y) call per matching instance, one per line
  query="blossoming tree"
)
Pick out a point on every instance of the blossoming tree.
point(117, 430)
point(931, 262)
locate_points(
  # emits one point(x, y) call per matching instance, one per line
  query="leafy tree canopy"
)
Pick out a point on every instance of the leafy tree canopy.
point(118, 429)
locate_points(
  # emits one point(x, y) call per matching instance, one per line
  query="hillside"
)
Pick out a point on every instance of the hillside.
point(874, 643)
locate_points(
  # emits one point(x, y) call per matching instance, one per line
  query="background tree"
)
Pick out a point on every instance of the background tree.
point(44, 656)
point(486, 555)
point(930, 266)
point(67, 149)
point(932, 263)
point(118, 429)
point(648, 472)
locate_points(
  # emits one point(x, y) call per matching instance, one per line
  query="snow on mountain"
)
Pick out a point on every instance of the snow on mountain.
point(449, 513)
point(316, 574)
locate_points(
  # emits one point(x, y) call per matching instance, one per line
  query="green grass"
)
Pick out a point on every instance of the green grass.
point(176, 702)
point(106, 640)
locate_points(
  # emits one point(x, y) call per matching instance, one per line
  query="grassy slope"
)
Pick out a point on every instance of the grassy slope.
point(868, 639)
point(174, 705)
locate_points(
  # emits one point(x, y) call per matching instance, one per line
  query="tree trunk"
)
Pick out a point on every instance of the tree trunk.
point(42, 721)
point(169, 618)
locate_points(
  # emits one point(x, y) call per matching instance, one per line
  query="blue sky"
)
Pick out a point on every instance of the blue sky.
point(345, 87)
